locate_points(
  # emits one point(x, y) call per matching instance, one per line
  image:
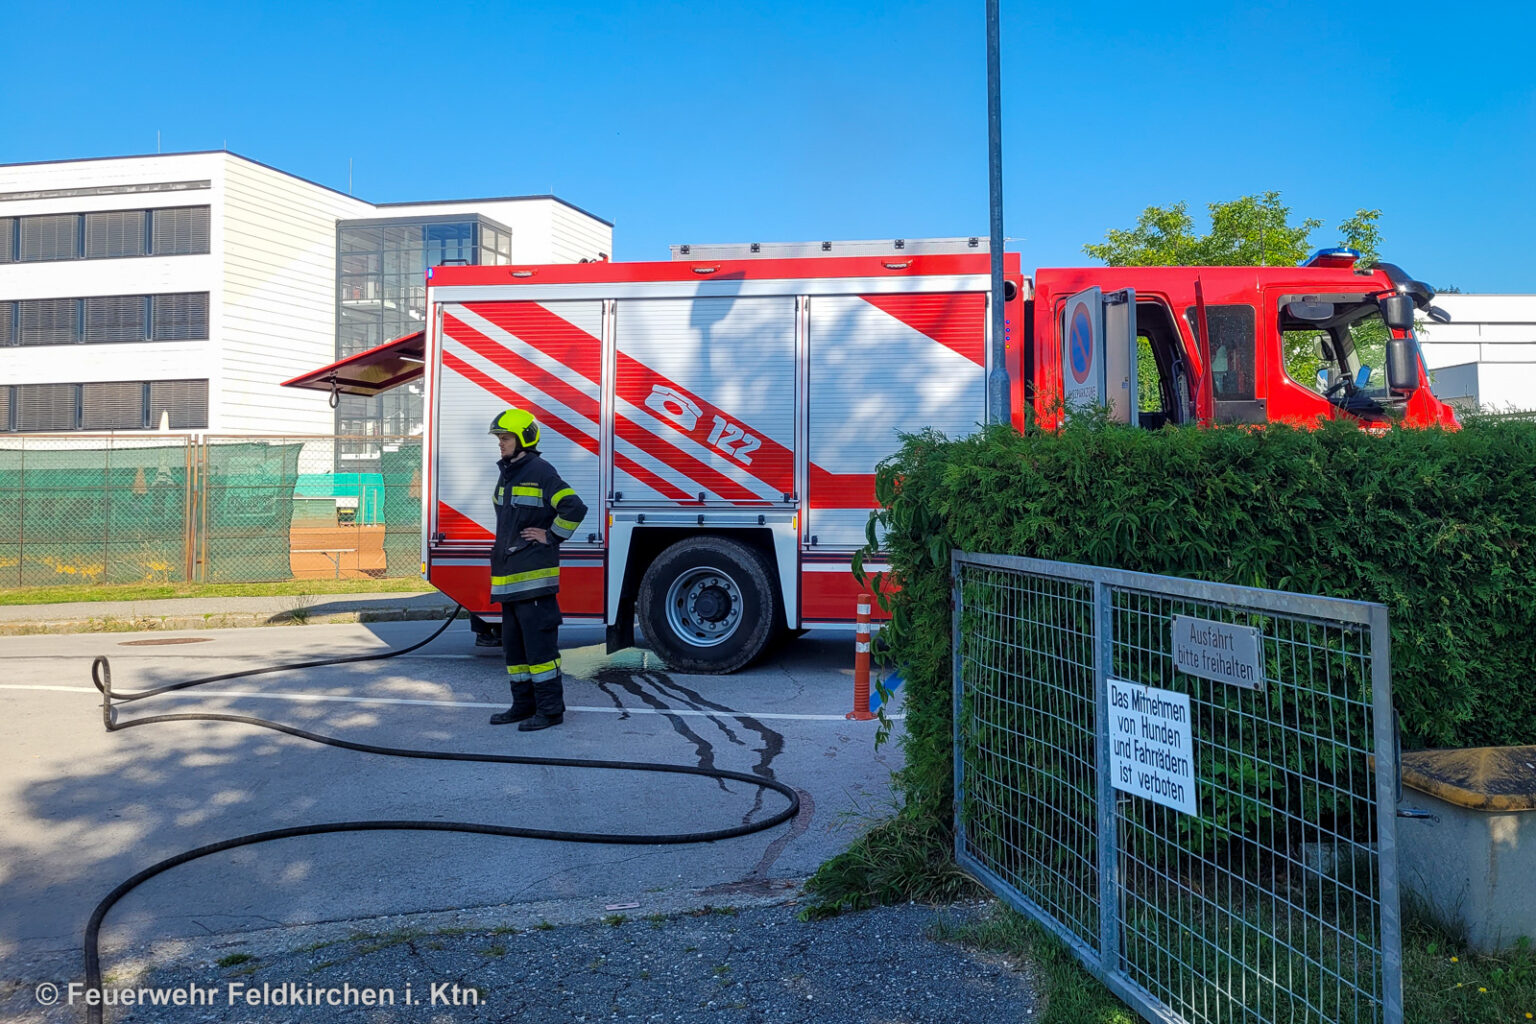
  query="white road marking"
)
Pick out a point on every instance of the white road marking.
point(321, 698)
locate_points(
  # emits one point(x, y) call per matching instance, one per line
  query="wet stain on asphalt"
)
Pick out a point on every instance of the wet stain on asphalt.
point(652, 687)
point(655, 689)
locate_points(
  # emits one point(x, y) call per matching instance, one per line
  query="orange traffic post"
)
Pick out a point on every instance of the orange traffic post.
point(861, 712)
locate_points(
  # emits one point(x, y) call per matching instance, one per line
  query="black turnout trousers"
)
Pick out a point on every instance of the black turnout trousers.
point(530, 632)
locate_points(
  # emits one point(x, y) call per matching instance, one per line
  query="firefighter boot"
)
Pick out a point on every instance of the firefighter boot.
point(540, 721)
point(512, 714)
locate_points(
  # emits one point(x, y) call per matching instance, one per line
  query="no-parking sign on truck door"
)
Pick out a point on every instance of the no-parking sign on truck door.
point(1082, 350)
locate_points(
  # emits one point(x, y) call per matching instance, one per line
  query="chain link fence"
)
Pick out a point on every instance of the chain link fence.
point(94, 509)
point(175, 508)
point(1192, 785)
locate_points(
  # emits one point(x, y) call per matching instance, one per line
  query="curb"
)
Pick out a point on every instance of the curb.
point(213, 620)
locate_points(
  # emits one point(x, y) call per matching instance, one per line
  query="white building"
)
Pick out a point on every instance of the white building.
point(1486, 356)
point(189, 286)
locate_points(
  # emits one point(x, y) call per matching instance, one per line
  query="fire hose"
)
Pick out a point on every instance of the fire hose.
point(101, 675)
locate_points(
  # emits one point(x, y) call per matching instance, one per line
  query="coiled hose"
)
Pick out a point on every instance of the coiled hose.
point(101, 675)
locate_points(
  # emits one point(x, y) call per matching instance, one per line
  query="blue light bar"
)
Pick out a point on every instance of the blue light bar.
point(429, 273)
point(1342, 256)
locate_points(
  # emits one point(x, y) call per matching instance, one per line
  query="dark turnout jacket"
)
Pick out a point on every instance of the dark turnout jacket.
point(530, 493)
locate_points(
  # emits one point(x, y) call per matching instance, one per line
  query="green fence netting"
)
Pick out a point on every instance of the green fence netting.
point(401, 472)
point(245, 527)
point(173, 508)
point(109, 513)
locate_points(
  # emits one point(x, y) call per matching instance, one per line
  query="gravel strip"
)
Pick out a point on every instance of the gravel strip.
point(709, 966)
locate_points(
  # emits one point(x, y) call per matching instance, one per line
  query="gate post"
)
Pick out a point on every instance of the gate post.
point(1388, 774)
point(957, 681)
point(1109, 839)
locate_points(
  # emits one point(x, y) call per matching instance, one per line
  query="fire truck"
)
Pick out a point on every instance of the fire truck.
point(723, 413)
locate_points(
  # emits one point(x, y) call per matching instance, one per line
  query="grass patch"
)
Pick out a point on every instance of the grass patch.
point(315, 946)
point(903, 858)
point(234, 959)
point(374, 943)
point(160, 591)
point(614, 920)
point(1443, 983)
point(1069, 993)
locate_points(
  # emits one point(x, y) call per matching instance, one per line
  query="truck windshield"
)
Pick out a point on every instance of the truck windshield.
point(1329, 338)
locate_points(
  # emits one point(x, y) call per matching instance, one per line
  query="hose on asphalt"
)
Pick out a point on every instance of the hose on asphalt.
point(101, 675)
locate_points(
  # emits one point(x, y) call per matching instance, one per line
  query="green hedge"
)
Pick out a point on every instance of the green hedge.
point(1438, 526)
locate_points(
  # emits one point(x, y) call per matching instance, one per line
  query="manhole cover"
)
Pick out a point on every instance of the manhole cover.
point(167, 640)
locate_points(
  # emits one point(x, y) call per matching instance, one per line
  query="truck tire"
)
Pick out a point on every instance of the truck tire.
point(708, 605)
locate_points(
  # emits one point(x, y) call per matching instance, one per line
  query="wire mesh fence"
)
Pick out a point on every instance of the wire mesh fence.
point(174, 508)
point(1192, 785)
point(94, 509)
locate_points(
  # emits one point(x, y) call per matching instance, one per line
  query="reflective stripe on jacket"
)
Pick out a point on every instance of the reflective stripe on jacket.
point(530, 493)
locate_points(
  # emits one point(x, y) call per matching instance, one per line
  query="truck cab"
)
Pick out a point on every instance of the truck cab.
point(1244, 345)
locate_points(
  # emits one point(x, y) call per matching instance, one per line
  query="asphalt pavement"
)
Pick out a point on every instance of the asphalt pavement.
point(81, 808)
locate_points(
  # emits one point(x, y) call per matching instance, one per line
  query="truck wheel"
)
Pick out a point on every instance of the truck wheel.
point(708, 605)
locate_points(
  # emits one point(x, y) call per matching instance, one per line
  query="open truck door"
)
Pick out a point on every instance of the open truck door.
point(1098, 353)
point(1205, 393)
point(379, 369)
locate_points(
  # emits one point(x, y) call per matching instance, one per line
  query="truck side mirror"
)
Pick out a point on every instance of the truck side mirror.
point(1402, 365)
point(1397, 311)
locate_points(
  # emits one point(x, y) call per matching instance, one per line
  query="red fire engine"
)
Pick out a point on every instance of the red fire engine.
point(722, 414)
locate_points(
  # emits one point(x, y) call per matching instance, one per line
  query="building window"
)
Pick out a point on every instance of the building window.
point(115, 406)
point(182, 317)
point(171, 231)
point(179, 231)
point(47, 406)
point(114, 318)
point(52, 237)
point(495, 246)
point(111, 405)
point(105, 319)
point(118, 233)
point(48, 321)
point(381, 271)
point(184, 401)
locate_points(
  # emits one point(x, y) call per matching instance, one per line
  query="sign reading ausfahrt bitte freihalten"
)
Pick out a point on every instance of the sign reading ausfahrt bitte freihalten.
point(1219, 651)
point(1151, 744)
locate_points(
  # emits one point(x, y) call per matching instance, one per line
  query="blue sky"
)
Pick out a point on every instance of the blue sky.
point(797, 121)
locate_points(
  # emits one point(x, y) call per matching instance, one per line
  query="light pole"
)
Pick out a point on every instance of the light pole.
point(997, 380)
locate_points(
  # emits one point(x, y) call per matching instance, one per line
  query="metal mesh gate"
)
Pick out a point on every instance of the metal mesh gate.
point(1192, 785)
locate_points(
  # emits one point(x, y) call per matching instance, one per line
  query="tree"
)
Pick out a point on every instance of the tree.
point(1250, 231)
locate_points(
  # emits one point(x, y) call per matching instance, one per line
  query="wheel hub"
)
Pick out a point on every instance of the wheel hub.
point(713, 604)
point(704, 606)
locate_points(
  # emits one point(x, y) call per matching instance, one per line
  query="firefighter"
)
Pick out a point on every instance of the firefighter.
point(535, 511)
